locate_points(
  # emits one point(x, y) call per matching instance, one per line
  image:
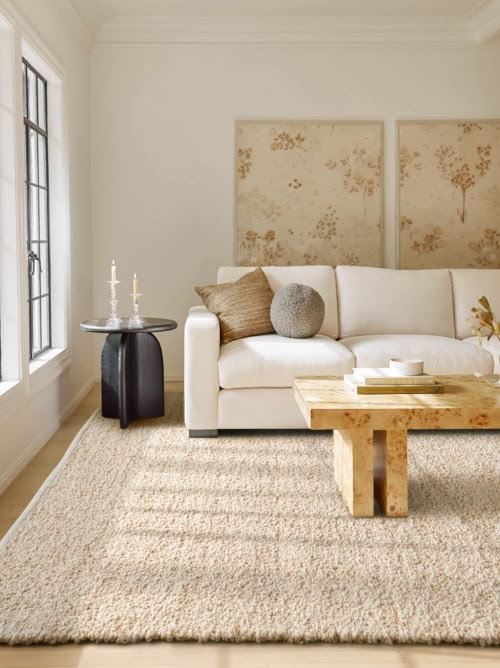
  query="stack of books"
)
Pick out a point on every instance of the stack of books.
point(385, 381)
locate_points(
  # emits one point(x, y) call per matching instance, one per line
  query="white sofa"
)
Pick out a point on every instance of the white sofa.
point(371, 315)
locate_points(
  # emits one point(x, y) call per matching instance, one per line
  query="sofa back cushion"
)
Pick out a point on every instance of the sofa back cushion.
point(394, 301)
point(321, 278)
point(468, 286)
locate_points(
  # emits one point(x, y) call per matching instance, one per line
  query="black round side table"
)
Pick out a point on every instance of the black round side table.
point(131, 368)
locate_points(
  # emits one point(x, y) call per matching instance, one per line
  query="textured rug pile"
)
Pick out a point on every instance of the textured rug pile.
point(143, 534)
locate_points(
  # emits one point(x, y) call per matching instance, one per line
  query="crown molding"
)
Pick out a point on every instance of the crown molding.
point(66, 11)
point(283, 30)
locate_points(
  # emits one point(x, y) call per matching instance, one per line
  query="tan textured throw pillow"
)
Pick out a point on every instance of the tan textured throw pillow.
point(243, 307)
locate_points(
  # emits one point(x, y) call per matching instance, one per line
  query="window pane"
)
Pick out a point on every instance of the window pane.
point(25, 83)
point(26, 203)
point(42, 121)
point(44, 266)
point(33, 174)
point(44, 236)
point(42, 161)
point(32, 111)
point(45, 322)
point(25, 158)
point(35, 326)
point(35, 277)
point(34, 216)
point(37, 207)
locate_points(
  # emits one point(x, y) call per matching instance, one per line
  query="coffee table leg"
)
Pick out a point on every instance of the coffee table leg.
point(353, 460)
point(391, 471)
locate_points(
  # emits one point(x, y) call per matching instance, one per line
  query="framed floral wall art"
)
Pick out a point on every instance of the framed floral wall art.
point(449, 194)
point(309, 192)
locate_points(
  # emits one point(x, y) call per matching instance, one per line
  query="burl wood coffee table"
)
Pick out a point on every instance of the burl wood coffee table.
point(370, 432)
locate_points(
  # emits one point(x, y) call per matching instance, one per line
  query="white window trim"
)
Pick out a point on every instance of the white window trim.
point(25, 42)
point(10, 219)
point(46, 367)
point(59, 214)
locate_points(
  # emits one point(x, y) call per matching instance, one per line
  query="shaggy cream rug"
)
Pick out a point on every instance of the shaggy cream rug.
point(145, 534)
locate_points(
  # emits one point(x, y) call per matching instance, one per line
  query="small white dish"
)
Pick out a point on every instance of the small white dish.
point(401, 367)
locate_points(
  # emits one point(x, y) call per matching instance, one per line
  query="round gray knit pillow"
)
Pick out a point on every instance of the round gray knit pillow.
point(297, 311)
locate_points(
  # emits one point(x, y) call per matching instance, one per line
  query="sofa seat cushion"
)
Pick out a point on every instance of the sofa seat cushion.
point(274, 361)
point(492, 346)
point(441, 355)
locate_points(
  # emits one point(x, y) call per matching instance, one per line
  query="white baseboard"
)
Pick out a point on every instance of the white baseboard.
point(41, 439)
point(174, 375)
point(177, 376)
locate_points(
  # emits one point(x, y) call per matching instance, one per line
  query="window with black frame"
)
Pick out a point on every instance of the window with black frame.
point(37, 208)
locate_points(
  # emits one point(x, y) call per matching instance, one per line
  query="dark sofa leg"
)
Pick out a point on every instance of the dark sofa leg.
point(203, 433)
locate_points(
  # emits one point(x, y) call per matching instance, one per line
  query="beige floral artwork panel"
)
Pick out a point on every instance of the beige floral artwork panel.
point(449, 194)
point(309, 192)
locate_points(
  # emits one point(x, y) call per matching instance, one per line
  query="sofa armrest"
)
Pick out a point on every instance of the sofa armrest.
point(201, 373)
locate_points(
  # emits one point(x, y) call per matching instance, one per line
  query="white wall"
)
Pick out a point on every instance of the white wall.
point(163, 137)
point(29, 420)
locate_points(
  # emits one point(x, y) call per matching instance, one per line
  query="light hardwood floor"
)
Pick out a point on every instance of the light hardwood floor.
point(220, 655)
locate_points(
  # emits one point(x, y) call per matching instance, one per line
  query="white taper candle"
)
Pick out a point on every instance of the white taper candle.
point(136, 298)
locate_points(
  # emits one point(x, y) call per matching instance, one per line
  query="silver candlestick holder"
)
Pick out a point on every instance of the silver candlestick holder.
point(135, 319)
point(114, 320)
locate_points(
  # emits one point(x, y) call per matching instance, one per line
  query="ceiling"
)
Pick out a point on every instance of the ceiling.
point(475, 21)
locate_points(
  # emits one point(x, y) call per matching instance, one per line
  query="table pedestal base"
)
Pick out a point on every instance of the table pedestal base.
point(372, 464)
point(132, 377)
